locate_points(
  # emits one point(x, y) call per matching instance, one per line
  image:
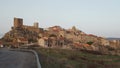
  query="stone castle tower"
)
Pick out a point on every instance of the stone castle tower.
point(18, 22)
point(36, 25)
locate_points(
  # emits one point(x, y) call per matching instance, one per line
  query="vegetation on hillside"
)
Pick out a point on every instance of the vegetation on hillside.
point(61, 58)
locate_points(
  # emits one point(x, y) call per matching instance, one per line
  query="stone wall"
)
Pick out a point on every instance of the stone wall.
point(31, 28)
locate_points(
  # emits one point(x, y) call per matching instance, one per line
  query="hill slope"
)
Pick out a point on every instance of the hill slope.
point(60, 58)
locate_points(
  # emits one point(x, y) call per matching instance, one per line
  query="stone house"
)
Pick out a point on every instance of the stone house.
point(41, 42)
point(105, 42)
point(22, 40)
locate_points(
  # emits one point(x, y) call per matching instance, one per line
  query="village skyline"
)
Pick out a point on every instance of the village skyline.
point(100, 18)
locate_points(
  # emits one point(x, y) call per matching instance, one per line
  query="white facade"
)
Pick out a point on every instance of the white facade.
point(41, 42)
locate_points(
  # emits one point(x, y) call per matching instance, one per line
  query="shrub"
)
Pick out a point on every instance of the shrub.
point(90, 42)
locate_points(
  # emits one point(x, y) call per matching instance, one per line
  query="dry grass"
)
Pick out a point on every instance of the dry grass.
point(61, 58)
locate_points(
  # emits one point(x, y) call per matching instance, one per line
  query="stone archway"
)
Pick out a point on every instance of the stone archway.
point(52, 40)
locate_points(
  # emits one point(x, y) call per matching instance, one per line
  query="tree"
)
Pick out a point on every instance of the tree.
point(90, 42)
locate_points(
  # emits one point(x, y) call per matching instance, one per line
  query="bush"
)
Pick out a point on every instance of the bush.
point(90, 42)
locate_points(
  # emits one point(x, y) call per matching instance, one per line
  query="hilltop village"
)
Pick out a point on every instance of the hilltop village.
point(57, 37)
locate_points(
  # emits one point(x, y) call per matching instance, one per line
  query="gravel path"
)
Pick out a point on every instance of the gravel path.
point(17, 59)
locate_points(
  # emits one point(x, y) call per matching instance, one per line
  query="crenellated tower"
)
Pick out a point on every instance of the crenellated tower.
point(18, 22)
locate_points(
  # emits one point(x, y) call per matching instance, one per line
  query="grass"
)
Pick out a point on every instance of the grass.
point(61, 58)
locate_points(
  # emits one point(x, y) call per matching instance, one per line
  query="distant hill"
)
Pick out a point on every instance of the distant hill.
point(113, 38)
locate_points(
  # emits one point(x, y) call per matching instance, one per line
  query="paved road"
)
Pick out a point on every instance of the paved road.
point(17, 59)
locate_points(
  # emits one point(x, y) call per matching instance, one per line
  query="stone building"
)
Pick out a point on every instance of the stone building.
point(22, 40)
point(18, 23)
point(41, 42)
point(105, 42)
point(36, 25)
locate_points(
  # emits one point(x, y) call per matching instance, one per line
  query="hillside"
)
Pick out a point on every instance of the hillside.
point(62, 58)
point(16, 33)
point(58, 37)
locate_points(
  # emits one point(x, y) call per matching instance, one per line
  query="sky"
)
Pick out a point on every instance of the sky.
point(98, 17)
